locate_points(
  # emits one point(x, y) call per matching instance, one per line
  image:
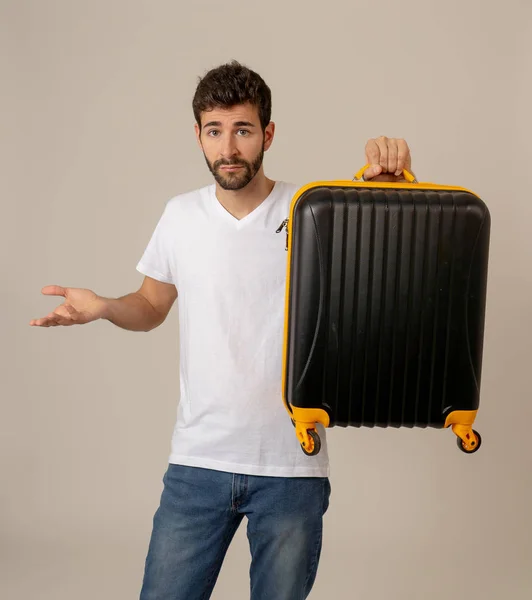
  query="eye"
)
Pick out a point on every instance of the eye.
point(243, 132)
point(212, 132)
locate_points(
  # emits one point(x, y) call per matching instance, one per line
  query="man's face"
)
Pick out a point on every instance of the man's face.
point(233, 144)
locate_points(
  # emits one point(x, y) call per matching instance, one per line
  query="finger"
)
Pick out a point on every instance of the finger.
point(372, 153)
point(382, 143)
point(54, 290)
point(73, 315)
point(36, 322)
point(51, 320)
point(44, 322)
point(72, 312)
point(403, 157)
point(385, 177)
point(62, 319)
point(392, 156)
point(59, 321)
point(64, 311)
point(371, 172)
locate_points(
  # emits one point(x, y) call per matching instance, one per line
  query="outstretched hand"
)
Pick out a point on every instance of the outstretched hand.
point(80, 306)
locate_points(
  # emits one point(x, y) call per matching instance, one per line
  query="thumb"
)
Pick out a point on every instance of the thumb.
point(372, 171)
point(54, 290)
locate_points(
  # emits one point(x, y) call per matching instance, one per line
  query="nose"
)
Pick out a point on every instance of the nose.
point(228, 146)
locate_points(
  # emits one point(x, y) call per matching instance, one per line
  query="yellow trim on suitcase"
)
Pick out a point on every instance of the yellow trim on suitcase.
point(305, 419)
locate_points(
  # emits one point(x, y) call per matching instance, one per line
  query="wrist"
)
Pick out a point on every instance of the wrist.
point(104, 308)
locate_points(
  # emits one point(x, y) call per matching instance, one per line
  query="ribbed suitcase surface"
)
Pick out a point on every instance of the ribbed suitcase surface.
point(386, 304)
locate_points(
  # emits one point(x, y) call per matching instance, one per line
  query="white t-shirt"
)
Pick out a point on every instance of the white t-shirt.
point(230, 277)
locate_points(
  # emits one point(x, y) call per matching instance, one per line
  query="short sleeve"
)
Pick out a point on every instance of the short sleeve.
point(156, 260)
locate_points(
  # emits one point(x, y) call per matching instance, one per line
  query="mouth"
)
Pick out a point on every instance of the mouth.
point(231, 168)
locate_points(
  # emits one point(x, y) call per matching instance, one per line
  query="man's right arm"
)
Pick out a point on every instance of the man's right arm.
point(143, 310)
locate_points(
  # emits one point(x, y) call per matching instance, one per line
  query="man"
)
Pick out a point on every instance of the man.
point(234, 452)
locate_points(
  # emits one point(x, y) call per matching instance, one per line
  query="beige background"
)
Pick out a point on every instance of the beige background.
point(96, 135)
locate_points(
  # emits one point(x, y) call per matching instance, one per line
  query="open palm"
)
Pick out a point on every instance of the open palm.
point(80, 306)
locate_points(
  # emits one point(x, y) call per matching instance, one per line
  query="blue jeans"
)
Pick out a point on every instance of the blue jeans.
point(199, 513)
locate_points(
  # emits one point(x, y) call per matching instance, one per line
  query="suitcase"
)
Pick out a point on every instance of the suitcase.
point(385, 304)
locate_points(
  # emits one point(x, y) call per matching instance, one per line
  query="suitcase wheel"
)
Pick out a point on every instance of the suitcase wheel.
point(473, 446)
point(314, 445)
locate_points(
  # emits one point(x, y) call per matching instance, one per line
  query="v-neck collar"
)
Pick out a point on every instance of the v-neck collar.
point(239, 223)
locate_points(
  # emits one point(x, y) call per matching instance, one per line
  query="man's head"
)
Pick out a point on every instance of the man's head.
point(232, 107)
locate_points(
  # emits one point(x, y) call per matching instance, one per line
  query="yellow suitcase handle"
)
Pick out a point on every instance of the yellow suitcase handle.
point(406, 174)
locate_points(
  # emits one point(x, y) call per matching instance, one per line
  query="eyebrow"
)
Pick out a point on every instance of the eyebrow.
point(237, 124)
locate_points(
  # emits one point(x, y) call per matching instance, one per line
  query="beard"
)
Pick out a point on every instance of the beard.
point(239, 179)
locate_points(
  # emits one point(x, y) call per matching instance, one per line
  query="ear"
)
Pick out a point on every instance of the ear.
point(198, 135)
point(269, 133)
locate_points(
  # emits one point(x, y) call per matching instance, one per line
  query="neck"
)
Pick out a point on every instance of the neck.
point(242, 202)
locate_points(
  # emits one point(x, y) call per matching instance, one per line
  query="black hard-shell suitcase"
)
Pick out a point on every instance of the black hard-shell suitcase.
point(385, 301)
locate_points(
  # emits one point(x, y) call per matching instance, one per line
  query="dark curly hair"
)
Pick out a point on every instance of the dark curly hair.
point(229, 85)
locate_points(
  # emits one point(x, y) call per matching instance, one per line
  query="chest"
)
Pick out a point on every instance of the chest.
point(249, 261)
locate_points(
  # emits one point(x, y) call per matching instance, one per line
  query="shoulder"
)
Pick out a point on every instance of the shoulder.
point(286, 192)
point(288, 188)
point(186, 204)
point(188, 200)
point(182, 207)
